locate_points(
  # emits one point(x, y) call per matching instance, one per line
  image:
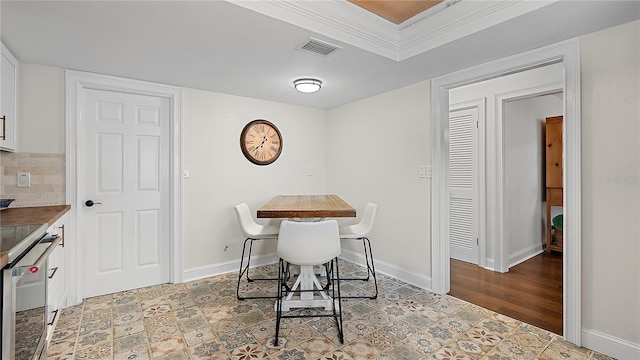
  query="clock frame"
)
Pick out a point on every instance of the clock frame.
point(261, 142)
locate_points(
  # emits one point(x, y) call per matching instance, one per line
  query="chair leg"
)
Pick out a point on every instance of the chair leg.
point(371, 268)
point(336, 284)
point(281, 276)
point(371, 271)
point(245, 270)
point(333, 282)
point(249, 260)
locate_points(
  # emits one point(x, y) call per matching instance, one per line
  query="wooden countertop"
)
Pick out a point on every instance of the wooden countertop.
point(306, 206)
point(33, 215)
point(30, 215)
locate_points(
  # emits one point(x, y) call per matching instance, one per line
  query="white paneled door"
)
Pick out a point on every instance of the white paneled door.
point(463, 184)
point(125, 164)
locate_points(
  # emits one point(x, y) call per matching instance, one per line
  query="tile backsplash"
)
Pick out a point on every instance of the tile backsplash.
point(47, 172)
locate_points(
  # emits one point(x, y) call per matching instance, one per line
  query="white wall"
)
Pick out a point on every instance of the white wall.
point(524, 140)
point(41, 122)
point(511, 87)
point(221, 177)
point(611, 184)
point(374, 147)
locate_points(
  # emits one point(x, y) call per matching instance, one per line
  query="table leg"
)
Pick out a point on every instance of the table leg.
point(307, 280)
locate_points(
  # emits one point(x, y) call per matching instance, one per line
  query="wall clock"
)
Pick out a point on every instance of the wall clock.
point(261, 142)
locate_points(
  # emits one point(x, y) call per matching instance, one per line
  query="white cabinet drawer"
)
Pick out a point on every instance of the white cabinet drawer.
point(57, 273)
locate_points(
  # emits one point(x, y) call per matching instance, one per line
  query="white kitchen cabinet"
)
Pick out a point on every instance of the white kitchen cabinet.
point(8, 91)
point(57, 266)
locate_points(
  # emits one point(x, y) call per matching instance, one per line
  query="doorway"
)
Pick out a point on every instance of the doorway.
point(520, 102)
point(153, 171)
point(511, 111)
point(566, 53)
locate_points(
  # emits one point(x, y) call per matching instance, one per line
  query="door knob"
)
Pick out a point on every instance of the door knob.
point(90, 203)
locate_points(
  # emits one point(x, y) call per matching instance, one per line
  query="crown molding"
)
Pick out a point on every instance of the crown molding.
point(337, 19)
point(427, 32)
point(346, 22)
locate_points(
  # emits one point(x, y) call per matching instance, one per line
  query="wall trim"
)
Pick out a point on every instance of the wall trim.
point(348, 23)
point(524, 254)
point(568, 53)
point(610, 345)
point(201, 272)
point(413, 278)
point(420, 280)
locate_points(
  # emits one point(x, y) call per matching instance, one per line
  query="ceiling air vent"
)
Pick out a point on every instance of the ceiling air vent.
point(318, 47)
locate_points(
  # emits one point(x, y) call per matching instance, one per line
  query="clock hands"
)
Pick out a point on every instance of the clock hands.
point(264, 139)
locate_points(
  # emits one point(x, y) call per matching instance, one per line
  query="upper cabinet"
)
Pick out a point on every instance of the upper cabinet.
point(554, 151)
point(9, 79)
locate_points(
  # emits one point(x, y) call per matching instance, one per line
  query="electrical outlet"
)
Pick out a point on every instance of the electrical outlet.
point(24, 179)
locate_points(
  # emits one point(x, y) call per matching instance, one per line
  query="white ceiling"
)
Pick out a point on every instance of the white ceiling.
point(247, 48)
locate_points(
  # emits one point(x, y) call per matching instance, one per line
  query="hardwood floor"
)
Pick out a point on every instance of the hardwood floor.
point(531, 291)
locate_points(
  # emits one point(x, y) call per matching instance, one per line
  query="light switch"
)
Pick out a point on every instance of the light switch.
point(24, 179)
point(309, 171)
point(422, 171)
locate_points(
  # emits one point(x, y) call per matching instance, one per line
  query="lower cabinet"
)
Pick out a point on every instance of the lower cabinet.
point(57, 287)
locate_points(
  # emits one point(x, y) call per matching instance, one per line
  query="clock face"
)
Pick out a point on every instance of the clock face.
point(261, 142)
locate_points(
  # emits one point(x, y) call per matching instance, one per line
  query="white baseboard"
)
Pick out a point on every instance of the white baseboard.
point(200, 272)
point(610, 345)
point(524, 255)
point(419, 280)
point(490, 264)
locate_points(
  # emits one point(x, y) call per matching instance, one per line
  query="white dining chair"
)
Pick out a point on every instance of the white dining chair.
point(252, 231)
point(309, 244)
point(360, 232)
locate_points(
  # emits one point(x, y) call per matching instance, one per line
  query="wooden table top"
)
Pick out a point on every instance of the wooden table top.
point(306, 206)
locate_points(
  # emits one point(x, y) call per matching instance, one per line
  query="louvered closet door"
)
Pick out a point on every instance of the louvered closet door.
point(463, 183)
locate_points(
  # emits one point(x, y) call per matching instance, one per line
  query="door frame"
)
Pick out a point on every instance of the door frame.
point(502, 263)
point(77, 82)
point(567, 53)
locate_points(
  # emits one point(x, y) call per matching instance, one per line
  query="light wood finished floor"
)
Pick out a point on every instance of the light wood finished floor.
point(531, 291)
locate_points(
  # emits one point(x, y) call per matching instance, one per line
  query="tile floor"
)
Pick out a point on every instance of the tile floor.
point(204, 320)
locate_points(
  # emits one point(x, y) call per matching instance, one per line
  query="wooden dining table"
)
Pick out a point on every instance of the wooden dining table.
point(306, 208)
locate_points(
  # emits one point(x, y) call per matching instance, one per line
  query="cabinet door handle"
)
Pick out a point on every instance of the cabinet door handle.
point(62, 229)
point(4, 127)
point(53, 272)
point(55, 315)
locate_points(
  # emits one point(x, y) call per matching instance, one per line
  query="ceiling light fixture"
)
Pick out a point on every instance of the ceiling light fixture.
point(307, 85)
